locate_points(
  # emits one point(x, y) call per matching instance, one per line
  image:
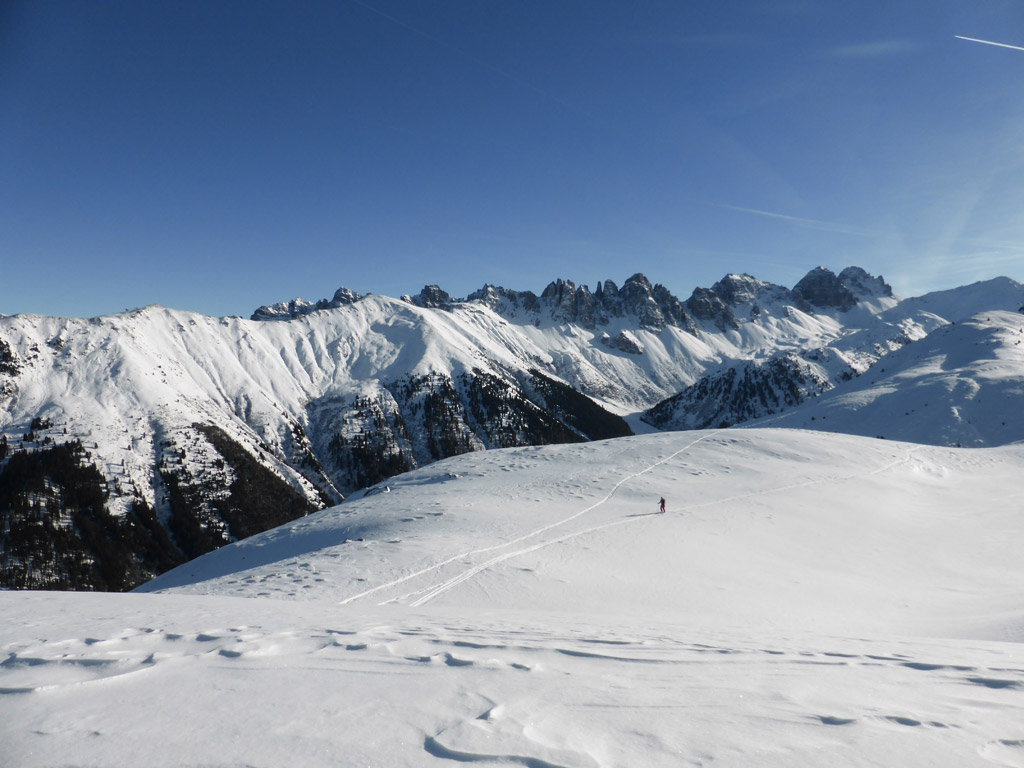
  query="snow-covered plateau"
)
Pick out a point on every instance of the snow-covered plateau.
point(808, 599)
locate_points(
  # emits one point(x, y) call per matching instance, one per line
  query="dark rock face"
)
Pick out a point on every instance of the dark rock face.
point(8, 361)
point(745, 289)
point(672, 309)
point(707, 304)
point(504, 300)
point(653, 306)
point(822, 288)
point(420, 419)
point(569, 304)
point(638, 299)
point(740, 393)
point(432, 297)
point(863, 285)
point(344, 296)
point(737, 289)
point(624, 341)
point(738, 296)
point(608, 298)
point(42, 489)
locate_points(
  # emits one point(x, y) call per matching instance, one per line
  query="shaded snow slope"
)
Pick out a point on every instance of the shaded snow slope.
point(962, 385)
point(808, 599)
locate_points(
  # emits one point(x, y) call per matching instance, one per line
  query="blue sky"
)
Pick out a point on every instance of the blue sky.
point(215, 156)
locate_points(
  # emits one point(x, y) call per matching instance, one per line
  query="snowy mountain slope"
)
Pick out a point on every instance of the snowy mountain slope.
point(144, 391)
point(184, 416)
point(789, 505)
point(966, 301)
point(962, 385)
point(808, 599)
point(768, 384)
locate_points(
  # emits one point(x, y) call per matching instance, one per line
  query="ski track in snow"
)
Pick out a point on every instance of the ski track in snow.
point(425, 595)
point(522, 538)
point(439, 589)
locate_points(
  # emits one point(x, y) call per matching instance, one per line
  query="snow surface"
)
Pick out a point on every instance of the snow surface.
point(962, 384)
point(808, 599)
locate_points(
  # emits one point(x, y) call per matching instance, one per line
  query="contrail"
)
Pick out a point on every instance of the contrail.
point(824, 226)
point(989, 42)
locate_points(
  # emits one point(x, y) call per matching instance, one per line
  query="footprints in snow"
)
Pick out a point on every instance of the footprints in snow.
point(475, 659)
point(897, 719)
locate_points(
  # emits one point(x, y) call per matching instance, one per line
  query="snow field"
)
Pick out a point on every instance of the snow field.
point(784, 524)
point(960, 385)
point(182, 680)
point(808, 599)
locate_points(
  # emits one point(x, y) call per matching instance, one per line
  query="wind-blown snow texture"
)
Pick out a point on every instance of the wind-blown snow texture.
point(184, 415)
point(808, 599)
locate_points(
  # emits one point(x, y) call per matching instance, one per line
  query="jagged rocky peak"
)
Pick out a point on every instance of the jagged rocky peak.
point(431, 297)
point(653, 306)
point(746, 289)
point(821, 287)
point(284, 310)
point(490, 296)
point(638, 299)
point(607, 295)
point(568, 303)
point(673, 310)
point(344, 296)
point(288, 310)
point(861, 284)
point(737, 289)
point(503, 299)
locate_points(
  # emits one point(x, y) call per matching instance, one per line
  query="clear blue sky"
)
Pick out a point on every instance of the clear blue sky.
point(212, 155)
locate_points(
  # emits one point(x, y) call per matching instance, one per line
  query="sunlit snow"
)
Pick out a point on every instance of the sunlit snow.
point(808, 599)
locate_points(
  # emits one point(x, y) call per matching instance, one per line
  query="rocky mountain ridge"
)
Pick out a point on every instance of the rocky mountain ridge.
point(653, 306)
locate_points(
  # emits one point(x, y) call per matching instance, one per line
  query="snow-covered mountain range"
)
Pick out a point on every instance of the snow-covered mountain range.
point(152, 436)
